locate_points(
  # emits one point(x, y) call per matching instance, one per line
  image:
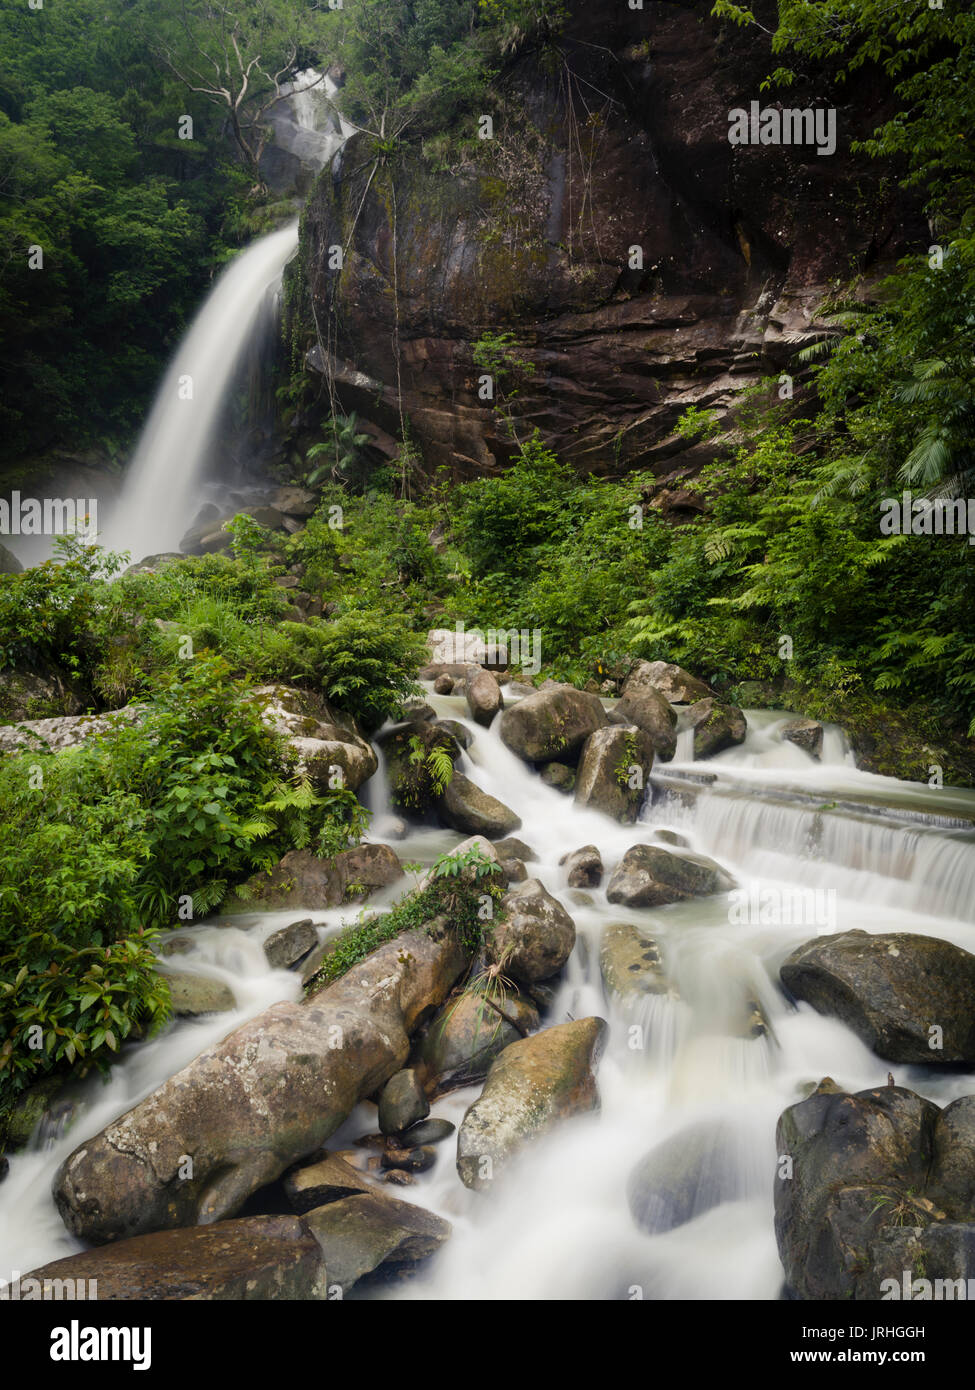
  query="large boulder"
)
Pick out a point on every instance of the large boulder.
point(193, 995)
point(484, 698)
point(325, 745)
point(852, 1171)
point(254, 1104)
point(533, 936)
point(651, 876)
point(630, 963)
point(910, 998)
point(552, 724)
point(533, 1084)
point(644, 706)
point(673, 683)
point(466, 1035)
point(301, 879)
point(465, 807)
point(259, 1257)
point(716, 726)
point(614, 772)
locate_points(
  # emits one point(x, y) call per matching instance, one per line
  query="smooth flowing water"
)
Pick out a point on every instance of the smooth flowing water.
point(557, 1223)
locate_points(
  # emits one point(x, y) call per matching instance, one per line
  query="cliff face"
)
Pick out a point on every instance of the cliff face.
point(622, 142)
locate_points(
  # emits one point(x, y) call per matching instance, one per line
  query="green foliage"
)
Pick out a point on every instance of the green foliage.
point(437, 763)
point(342, 451)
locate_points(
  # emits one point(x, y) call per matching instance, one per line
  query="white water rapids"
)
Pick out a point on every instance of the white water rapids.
point(557, 1225)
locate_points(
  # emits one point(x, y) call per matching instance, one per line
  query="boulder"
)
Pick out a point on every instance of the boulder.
point(651, 876)
point(443, 685)
point(469, 1032)
point(553, 723)
point(25, 695)
point(645, 707)
point(373, 1234)
point(259, 1257)
point(65, 731)
point(465, 807)
point(630, 963)
point(321, 740)
point(328, 1180)
point(294, 501)
point(716, 726)
point(806, 734)
point(402, 1102)
point(427, 1132)
point(254, 1104)
point(910, 998)
point(510, 848)
point(459, 732)
point(301, 879)
point(407, 749)
point(533, 1084)
point(533, 936)
point(951, 1181)
point(583, 867)
point(677, 686)
point(559, 776)
point(514, 871)
point(290, 944)
point(195, 994)
point(484, 698)
point(685, 1176)
point(614, 772)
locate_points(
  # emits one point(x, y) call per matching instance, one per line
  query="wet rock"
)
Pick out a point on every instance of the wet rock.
point(414, 1160)
point(849, 1168)
point(677, 686)
point(514, 871)
point(484, 698)
point(469, 1032)
point(259, 1257)
point(301, 879)
point(398, 1177)
point(407, 749)
point(716, 726)
point(651, 876)
point(535, 935)
point(899, 992)
point(584, 867)
point(614, 772)
point(630, 963)
point(290, 944)
point(645, 707)
point(326, 1181)
point(806, 734)
point(28, 1110)
point(552, 723)
point(461, 735)
point(465, 807)
point(426, 1132)
point(402, 1102)
point(533, 1084)
point(951, 1181)
point(560, 776)
point(195, 994)
point(444, 684)
point(510, 848)
point(321, 740)
point(685, 1176)
point(671, 837)
point(374, 1233)
point(252, 1105)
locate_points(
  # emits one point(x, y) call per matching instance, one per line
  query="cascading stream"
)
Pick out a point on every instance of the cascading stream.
point(559, 1225)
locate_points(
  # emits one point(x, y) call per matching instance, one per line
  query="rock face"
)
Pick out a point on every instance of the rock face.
point(250, 1107)
point(630, 963)
point(873, 1187)
point(651, 876)
point(301, 879)
point(534, 935)
point(552, 724)
point(468, 1033)
point(671, 683)
point(465, 807)
point(260, 1257)
point(320, 739)
point(533, 1083)
point(737, 250)
point(901, 994)
point(484, 698)
point(716, 726)
point(645, 707)
point(614, 771)
point(806, 734)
